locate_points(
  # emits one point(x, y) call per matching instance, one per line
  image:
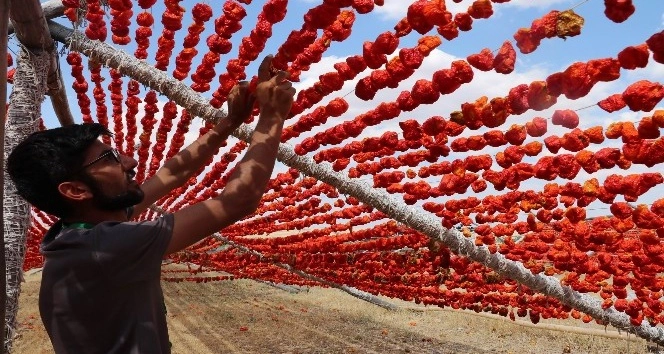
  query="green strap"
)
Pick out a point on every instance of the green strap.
point(78, 225)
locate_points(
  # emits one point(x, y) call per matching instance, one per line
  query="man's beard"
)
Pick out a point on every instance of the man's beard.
point(122, 201)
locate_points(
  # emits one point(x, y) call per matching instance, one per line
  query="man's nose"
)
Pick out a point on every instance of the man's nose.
point(128, 162)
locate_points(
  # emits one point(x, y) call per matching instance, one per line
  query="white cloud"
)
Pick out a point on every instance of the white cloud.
point(492, 85)
point(536, 4)
point(397, 9)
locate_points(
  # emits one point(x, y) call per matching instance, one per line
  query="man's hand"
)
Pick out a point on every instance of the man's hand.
point(240, 103)
point(274, 94)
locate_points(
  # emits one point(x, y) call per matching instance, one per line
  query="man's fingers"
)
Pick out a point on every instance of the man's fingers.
point(281, 76)
point(284, 84)
point(264, 69)
point(290, 91)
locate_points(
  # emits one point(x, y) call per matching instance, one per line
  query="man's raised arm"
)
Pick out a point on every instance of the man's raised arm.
point(176, 171)
point(249, 179)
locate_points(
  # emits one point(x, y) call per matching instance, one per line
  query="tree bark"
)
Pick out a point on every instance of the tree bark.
point(4, 21)
point(37, 71)
point(29, 23)
point(51, 9)
point(22, 119)
point(415, 218)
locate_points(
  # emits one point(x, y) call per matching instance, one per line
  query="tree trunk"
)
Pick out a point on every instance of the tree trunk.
point(51, 9)
point(4, 21)
point(28, 19)
point(417, 219)
point(22, 119)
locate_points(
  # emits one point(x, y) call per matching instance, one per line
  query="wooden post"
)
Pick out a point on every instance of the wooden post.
point(4, 20)
point(51, 8)
point(29, 24)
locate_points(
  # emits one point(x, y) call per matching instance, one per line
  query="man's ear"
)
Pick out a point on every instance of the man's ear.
point(75, 190)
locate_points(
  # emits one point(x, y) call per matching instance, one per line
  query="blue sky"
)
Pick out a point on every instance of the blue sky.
point(600, 38)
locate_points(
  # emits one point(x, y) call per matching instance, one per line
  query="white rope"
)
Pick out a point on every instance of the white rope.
point(22, 119)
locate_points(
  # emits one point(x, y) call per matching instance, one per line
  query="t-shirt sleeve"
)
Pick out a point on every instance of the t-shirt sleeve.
point(132, 251)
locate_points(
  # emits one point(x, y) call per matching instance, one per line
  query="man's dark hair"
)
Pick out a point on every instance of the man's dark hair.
point(47, 158)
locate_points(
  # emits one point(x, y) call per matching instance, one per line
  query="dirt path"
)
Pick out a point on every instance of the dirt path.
point(248, 317)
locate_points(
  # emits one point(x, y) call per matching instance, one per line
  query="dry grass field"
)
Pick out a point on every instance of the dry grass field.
point(244, 316)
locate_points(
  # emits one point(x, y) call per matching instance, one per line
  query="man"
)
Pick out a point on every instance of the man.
point(100, 290)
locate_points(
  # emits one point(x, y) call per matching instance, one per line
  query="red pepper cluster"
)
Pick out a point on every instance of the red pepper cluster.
point(338, 31)
point(424, 15)
point(80, 84)
point(131, 102)
point(219, 44)
point(10, 72)
point(165, 124)
point(320, 115)
point(618, 10)
point(121, 11)
point(201, 14)
point(172, 21)
point(528, 39)
point(116, 99)
point(319, 17)
point(212, 181)
point(71, 9)
point(147, 124)
point(96, 28)
point(99, 95)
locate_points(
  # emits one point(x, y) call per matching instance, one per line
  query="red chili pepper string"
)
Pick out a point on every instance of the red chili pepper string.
point(116, 99)
point(132, 103)
point(71, 9)
point(147, 124)
point(338, 31)
point(177, 141)
point(291, 194)
point(80, 85)
point(96, 28)
point(201, 14)
point(172, 21)
point(121, 11)
point(356, 219)
point(214, 174)
point(144, 20)
point(251, 46)
point(33, 258)
point(219, 44)
point(318, 17)
point(165, 126)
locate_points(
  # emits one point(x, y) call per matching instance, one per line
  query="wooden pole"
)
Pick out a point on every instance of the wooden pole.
point(4, 21)
point(51, 8)
point(29, 23)
point(39, 57)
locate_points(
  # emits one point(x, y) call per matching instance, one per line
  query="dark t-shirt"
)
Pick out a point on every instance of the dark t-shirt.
point(100, 289)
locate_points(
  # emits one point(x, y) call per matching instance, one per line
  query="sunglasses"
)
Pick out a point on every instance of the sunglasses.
point(111, 152)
